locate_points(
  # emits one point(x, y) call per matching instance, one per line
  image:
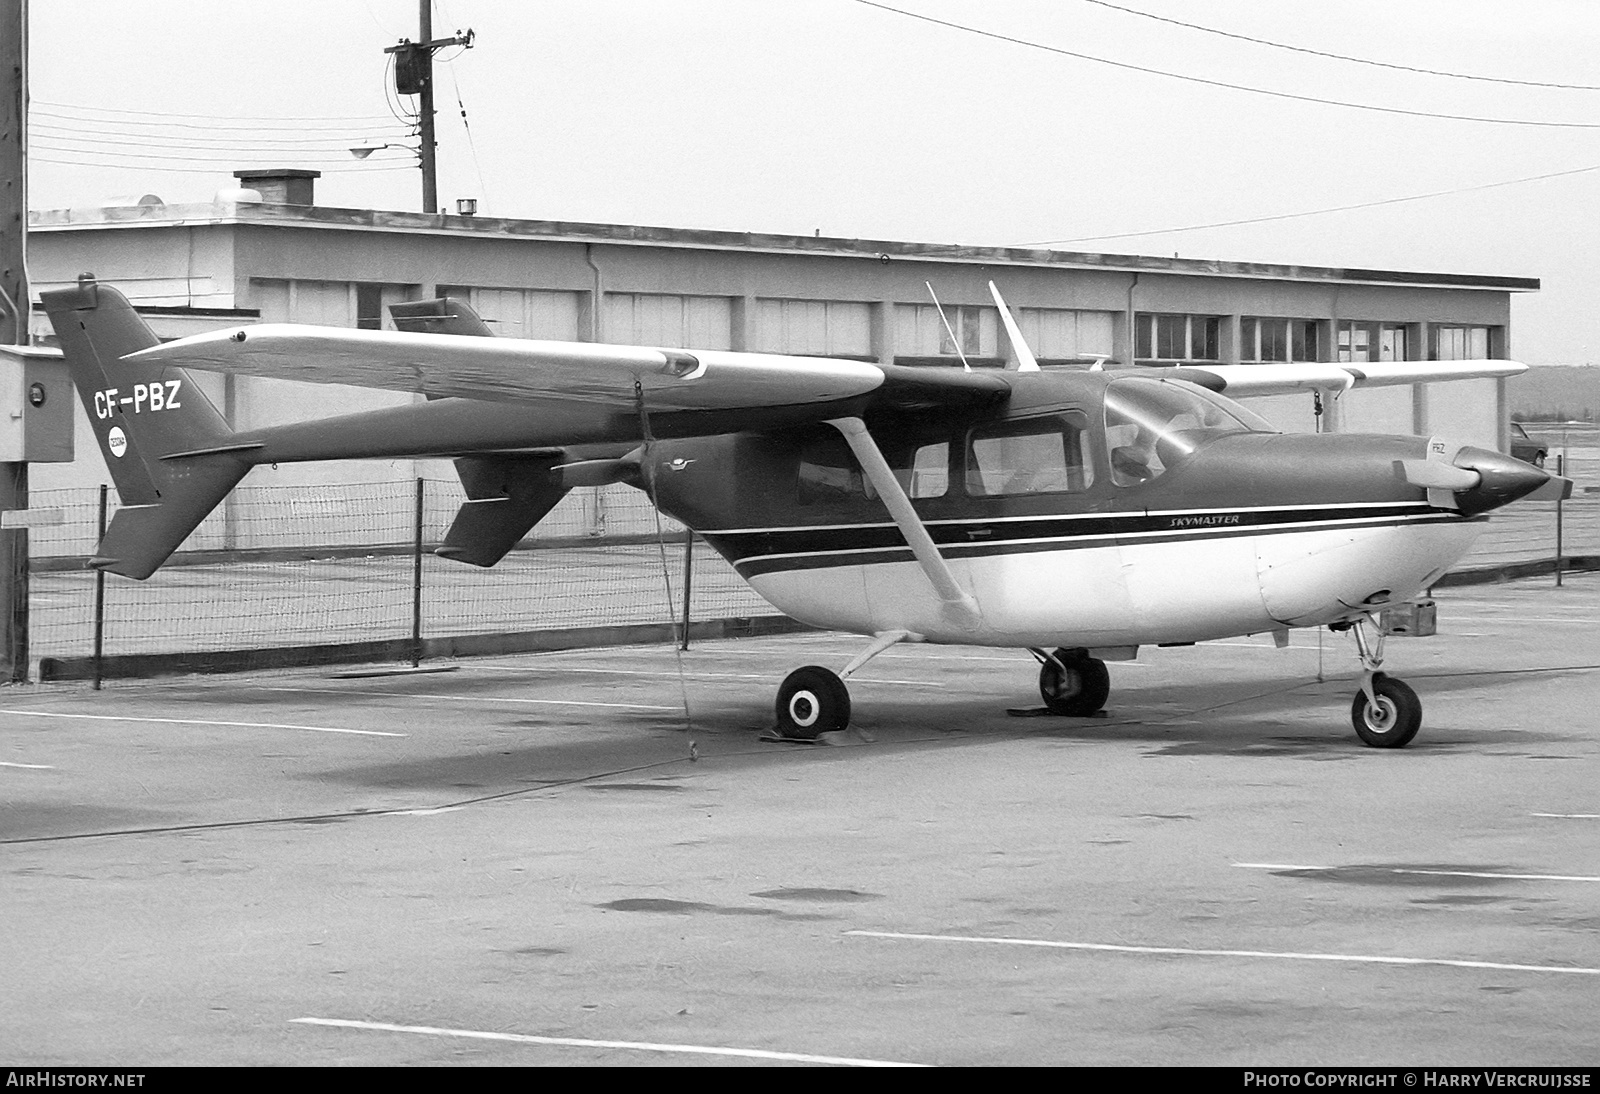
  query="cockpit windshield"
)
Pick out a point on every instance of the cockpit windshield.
point(1153, 425)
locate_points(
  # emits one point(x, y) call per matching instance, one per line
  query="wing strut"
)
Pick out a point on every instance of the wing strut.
point(956, 600)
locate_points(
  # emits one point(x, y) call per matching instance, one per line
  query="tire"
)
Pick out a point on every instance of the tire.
point(1078, 691)
point(812, 701)
point(1395, 719)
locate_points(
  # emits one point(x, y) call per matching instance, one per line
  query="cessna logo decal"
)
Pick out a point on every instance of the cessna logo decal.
point(1210, 521)
point(117, 441)
point(157, 396)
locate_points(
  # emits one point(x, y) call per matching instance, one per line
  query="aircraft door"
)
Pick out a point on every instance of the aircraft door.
point(1043, 566)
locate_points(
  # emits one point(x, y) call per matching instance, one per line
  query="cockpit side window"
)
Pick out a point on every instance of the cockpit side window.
point(1153, 425)
point(1048, 455)
point(830, 475)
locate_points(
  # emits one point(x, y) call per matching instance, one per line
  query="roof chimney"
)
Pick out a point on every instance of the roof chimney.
point(280, 185)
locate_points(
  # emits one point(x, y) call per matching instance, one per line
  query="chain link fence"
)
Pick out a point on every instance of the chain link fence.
point(303, 575)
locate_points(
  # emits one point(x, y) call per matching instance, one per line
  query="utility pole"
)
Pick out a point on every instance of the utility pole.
point(14, 324)
point(13, 172)
point(413, 75)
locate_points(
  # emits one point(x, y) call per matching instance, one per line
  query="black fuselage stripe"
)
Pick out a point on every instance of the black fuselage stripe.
point(841, 552)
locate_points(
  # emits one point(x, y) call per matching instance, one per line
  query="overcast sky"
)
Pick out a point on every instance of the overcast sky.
point(841, 116)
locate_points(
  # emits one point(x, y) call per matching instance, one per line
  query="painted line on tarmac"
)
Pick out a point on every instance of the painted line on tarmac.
point(200, 722)
point(578, 1042)
point(469, 698)
point(1409, 870)
point(1179, 951)
point(1567, 816)
point(51, 767)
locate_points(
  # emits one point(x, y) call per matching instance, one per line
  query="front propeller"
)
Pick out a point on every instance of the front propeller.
point(1477, 480)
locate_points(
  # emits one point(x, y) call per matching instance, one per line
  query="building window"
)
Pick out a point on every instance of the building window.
point(1059, 336)
point(921, 337)
point(369, 307)
point(1032, 456)
point(817, 328)
point(660, 319)
point(1177, 337)
point(1460, 343)
point(1373, 342)
point(1277, 340)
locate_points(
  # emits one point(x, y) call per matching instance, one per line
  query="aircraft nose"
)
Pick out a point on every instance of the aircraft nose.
point(1501, 480)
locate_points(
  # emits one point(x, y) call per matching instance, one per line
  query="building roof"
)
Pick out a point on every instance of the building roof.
point(273, 215)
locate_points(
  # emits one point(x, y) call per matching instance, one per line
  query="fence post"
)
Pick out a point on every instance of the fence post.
point(416, 583)
point(1561, 469)
point(688, 583)
point(100, 595)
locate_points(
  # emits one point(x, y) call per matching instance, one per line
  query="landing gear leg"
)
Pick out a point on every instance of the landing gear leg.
point(1385, 712)
point(1072, 683)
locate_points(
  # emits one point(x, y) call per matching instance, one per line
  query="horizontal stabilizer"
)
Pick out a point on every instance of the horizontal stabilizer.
point(142, 537)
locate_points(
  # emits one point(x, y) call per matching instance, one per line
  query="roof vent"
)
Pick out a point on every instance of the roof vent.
point(466, 207)
point(281, 185)
point(122, 201)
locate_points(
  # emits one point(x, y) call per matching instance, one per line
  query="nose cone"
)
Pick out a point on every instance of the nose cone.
point(1502, 480)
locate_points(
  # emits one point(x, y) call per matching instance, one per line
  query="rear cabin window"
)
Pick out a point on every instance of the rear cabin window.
point(1034, 456)
point(830, 475)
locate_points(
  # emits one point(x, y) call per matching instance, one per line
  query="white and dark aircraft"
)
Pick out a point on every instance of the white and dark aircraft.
point(1075, 514)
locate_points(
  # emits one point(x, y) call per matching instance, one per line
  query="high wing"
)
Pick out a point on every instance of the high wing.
point(608, 377)
point(1274, 379)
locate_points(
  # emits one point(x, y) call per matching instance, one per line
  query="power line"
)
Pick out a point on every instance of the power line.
point(1223, 83)
point(1316, 212)
point(363, 168)
point(211, 117)
point(267, 144)
point(1340, 56)
point(220, 158)
point(124, 124)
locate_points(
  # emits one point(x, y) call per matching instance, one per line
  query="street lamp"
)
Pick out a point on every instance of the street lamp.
point(362, 151)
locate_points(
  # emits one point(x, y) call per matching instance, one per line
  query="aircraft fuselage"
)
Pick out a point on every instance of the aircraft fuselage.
point(1247, 532)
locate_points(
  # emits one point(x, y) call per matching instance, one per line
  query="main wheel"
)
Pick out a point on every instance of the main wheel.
point(1078, 686)
point(1393, 720)
point(812, 701)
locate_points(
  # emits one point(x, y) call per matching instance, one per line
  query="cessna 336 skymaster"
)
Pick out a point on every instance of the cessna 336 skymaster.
point(1088, 512)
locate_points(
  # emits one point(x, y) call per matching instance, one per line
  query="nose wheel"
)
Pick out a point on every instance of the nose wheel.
point(1385, 712)
point(1390, 717)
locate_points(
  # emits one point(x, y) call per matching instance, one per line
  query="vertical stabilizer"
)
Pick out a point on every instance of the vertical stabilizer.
point(144, 416)
point(506, 495)
point(446, 315)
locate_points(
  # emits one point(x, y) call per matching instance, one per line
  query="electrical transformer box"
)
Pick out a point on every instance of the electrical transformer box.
point(36, 406)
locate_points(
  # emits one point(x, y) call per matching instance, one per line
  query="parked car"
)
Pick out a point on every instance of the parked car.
point(1527, 448)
